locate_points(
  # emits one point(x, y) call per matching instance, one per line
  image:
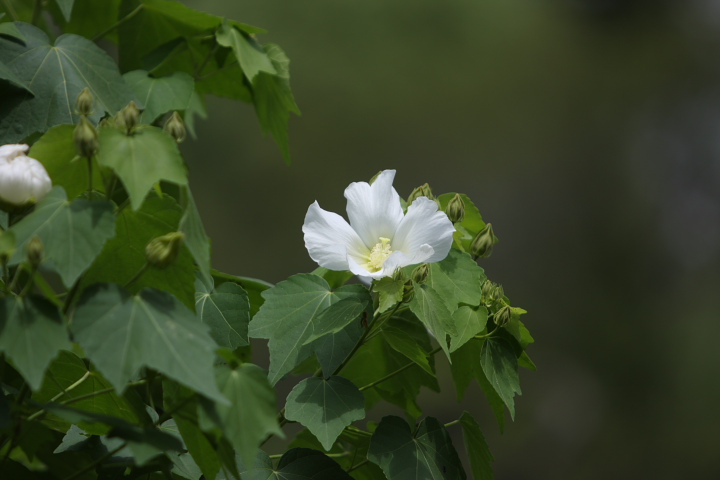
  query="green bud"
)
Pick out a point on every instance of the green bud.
point(456, 209)
point(175, 127)
point(162, 251)
point(421, 191)
point(84, 103)
point(408, 292)
point(503, 316)
point(35, 251)
point(399, 276)
point(86, 138)
point(128, 117)
point(419, 275)
point(482, 244)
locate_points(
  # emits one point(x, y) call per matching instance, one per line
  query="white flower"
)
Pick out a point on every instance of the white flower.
point(22, 179)
point(380, 237)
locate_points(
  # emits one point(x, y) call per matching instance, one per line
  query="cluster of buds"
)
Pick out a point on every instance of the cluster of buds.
point(85, 135)
point(491, 293)
point(128, 118)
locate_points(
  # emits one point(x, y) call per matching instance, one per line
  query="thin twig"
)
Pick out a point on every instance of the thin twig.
point(118, 23)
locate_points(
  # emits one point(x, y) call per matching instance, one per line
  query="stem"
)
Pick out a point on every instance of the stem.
point(118, 23)
point(90, 178)
point(71, 295)
point(355, 467)
point(16, 277)
point(37, 10)
point(203, 64)
point(454, 422)
point(396, 372)
point(30, 283)
point(47, 290)
point(11, 10)
point(5, 274)
point(97, 462)
point(59, 395)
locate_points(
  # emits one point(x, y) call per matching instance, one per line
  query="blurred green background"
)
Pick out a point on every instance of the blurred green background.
point(586, 131)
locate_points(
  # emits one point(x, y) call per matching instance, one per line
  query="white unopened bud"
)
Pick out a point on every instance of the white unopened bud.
point(23, 180)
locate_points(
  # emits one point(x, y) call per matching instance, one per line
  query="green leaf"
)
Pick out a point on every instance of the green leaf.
point(331, 350)
point(56, 151)
point(335, 278)
point(32, 333)
point(391, 292)
point(160, 95)
point(56, 74)
point(183, 402)
point(253, 286)
point(469, 322)
point(477, 449)
point(72, 233)
point(90, 394)
point(66, 7)
point(471, 225)
point(7, 74)
point(122, 333)
point(290, 315)
point(124, 255)
point(428, 454)
point(377, 360)
point(250, 55)
point(144, 442)
point(325, 406)
point(141, 160)
point(251, 414)
point(195, 238)
point(295, 464)
point(458, 279)
point(92, 20)
point(226, 311)
point(401, 342)
point(429, 307)
point(336, 317)
point(273, 99)
point(465, 367)
point(499, 363)
point(11, 30)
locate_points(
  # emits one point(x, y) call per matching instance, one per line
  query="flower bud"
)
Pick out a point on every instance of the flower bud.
point(128, 117)
point(503, 316)
point(86, 138)
point(84, 103)
point(175, 127)
point(421, 191)
point(163, 250)
point(35, 251)
point(456, 209)
point(419, 275)
point(491, 292)
point(399, 276)
point(408, 292)
point(23, 180)
point(482, 244)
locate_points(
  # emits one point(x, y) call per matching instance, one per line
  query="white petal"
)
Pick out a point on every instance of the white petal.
point(329, 239)
point(374, 210)
point(10, 151)
point(23, 179)
point(424, 226)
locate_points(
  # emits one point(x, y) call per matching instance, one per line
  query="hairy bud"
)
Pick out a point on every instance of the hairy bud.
point(128, 117)
point(175, 127)
point(84, 103)
point(456, 209)
point(86, 138)
point(420, 274)
point(482, 244)
point(421, 191)
point(503, 316)
point(35, 251)
point(162, 251)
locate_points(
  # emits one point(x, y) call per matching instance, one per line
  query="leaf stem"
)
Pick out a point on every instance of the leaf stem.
point(11, 10)
point(37, 10)
point(203, 64)
point(118, 23)
point(90, 178)
point(396, 372)
point(450, 424)
point(139, 274)
point(42, 284)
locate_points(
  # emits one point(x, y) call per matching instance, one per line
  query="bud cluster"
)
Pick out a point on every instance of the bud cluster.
point(421, 191)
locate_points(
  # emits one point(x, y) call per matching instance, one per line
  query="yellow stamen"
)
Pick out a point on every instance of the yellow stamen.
point(378, 254)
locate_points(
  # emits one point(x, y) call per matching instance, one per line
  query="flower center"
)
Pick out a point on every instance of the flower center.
point(378, 254)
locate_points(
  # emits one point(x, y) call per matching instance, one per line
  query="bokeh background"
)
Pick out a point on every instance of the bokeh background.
point(586, 131)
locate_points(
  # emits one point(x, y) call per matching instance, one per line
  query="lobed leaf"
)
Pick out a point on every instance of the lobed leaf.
point(160, 95)
point(122, 333)
point(477, 449)
point(295, 464)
